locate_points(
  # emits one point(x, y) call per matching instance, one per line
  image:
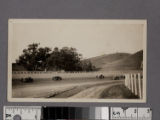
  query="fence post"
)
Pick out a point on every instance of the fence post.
point(135, 84)
point(132, 87)
point(133, 79)
point(126, 80)
point(129, 82)
point(140, 88)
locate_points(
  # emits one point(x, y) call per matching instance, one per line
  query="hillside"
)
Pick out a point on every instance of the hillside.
point(132, 62)
point(100, 61)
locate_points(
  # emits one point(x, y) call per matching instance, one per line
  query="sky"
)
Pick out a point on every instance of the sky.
point(90, 37)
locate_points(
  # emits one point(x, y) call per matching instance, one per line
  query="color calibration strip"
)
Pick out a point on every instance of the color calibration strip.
point(76, 113)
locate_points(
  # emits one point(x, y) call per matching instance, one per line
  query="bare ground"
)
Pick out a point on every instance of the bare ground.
point(88, 88)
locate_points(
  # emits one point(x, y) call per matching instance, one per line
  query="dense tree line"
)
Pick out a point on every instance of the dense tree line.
point(36, 58)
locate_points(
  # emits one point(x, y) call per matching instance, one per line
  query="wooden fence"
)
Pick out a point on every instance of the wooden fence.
point(134, 82)
point(50, 74)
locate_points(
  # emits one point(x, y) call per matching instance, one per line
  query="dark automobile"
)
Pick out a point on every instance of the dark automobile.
point(27, 80)
point(56, 78)
point(101, 76)
point(119, 77)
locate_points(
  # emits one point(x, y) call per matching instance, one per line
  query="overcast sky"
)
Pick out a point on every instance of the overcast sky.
point(90, 37)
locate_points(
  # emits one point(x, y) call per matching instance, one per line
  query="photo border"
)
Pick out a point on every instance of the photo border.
point(115, 21)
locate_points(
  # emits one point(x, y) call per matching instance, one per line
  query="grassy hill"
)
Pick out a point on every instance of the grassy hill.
point(118, 61)
point(132, 62)
point(100, 61)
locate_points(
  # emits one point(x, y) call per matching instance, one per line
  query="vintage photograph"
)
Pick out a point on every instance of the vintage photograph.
point(77, 60)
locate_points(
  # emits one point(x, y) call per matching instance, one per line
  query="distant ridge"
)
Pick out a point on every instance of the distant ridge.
point(132, 62)
point(118, 61)
point(102, 60)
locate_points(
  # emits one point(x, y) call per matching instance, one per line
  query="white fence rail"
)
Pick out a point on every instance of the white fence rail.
point(50, 74)
point(134, 82)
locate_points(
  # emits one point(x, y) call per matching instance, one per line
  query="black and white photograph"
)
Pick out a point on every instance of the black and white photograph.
point(77, 60)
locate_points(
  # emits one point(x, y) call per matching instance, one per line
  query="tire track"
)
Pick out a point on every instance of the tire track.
point(94, 92)
point(80, 91)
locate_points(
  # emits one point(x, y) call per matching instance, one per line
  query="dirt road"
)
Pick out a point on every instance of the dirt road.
point(61, 89)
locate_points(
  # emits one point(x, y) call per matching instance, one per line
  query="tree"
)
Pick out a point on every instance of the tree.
point(88, 66)
point(34, 58)
point(70, 59)
point(55, 61)
point(65, 59)
point(42, 57)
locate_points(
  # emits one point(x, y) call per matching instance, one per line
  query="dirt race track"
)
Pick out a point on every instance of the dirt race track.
point(88, 88)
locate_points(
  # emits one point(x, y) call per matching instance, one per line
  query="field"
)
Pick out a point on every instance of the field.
point(86, 86)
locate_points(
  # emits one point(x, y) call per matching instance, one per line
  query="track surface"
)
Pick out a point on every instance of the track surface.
point(90, 88)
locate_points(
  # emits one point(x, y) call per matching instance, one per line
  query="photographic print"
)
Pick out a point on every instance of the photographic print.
point(77, 60)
